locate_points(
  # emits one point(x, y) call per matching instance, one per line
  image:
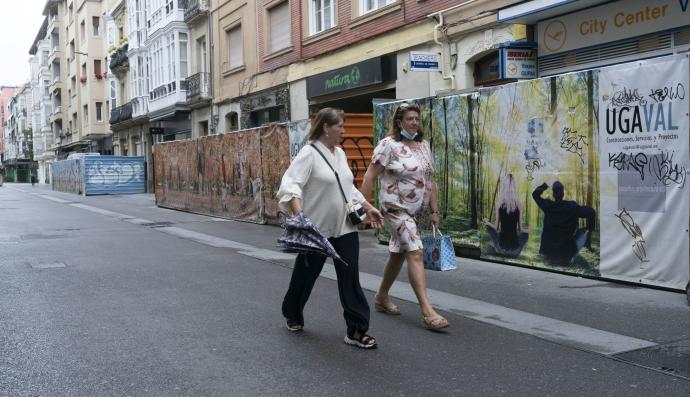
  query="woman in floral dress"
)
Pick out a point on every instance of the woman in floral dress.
point(404, 163)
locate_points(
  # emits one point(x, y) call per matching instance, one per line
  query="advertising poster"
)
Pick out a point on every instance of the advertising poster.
point(643, 123)
point(298, 132)
point(536, 168)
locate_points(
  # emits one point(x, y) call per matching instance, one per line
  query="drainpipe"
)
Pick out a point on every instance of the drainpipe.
point(445, 76)
point(209, 52)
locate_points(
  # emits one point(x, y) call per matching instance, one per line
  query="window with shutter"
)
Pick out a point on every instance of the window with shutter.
point(279, 27)
point(235, 50)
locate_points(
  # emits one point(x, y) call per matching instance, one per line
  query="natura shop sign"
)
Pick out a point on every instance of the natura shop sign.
point(354, 76)
point(610, 22)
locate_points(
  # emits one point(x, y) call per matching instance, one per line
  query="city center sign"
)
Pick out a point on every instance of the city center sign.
point(610, 22)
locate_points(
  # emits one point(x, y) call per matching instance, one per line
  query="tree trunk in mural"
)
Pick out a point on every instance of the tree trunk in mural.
point(590, 138)
point(446, 178)
point(554, 98)
point(473, 169)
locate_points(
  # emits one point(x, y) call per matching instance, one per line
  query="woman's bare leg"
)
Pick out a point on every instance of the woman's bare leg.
point(390, 273)
point(415, 270)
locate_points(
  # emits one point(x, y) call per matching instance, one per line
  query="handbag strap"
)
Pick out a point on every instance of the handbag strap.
point(332, 169)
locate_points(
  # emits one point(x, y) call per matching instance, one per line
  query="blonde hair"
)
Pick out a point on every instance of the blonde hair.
point(508, 196)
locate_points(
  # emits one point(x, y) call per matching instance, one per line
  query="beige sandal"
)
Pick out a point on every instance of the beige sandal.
point(434, 323)
point(386, 306)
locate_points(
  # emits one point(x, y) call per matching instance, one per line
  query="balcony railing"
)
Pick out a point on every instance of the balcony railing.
point(119, 61)
point(121, 113)
point(198, 86)
point(194, 9)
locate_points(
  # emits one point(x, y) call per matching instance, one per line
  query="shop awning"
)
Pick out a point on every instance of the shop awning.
point(531, 11)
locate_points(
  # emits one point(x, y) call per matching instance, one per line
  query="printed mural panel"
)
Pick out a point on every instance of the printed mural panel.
point(233, 175)
point(645, 157)
point(525, 135)
point(68, 176)
point(275, 155)
point(451, 148)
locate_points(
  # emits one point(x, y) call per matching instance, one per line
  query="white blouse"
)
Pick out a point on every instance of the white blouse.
point(312, 180)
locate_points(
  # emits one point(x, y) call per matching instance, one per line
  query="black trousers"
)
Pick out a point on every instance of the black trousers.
point(306, 271)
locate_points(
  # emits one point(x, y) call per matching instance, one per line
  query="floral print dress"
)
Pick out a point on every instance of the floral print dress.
point(406, 186)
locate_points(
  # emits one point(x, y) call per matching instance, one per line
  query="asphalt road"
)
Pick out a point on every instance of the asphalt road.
point(114, 296)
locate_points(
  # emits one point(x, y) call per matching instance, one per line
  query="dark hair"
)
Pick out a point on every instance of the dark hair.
point(557, 188)
point(398, 117)
point(325, 116)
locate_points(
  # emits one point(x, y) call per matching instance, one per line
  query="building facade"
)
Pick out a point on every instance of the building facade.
point(41, 81)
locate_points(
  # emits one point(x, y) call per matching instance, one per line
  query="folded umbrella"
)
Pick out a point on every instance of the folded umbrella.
point(300, 235)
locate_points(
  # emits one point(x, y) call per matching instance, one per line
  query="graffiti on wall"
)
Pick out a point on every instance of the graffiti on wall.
point(114, 175)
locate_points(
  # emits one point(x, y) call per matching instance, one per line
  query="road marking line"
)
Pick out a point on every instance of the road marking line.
point(561, 332)
point(56, 199)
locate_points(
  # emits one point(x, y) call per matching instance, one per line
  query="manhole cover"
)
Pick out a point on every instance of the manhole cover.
point(51, 265)
point(673, 358)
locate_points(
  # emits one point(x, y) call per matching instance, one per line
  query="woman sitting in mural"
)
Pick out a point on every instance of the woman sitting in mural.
point(309, 186)
point(404, 162)
point(507, 236)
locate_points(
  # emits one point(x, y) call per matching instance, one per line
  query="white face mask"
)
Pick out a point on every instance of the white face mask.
point(407, 135)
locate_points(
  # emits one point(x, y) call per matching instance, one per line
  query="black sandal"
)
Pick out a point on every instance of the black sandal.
point(363, 341)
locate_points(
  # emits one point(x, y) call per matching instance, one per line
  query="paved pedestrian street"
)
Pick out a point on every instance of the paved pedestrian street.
point(111, 295)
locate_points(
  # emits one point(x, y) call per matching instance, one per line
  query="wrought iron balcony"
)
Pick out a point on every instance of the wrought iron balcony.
point(198, 86)
point(119, 62)
point(195, 9)
point(121, 113)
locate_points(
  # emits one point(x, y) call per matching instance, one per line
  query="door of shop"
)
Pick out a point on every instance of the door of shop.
point(358, 143)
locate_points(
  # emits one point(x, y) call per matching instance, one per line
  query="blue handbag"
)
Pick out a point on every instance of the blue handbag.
point(438, 252)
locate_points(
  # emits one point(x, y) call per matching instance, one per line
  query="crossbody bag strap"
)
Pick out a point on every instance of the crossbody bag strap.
point(332, 169)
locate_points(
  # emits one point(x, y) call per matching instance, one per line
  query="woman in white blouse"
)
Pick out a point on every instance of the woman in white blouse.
point(310, 186)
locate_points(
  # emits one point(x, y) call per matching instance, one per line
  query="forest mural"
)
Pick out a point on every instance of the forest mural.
point(498, 145)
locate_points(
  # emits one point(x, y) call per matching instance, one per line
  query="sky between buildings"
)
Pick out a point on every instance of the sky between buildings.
point(19, 24)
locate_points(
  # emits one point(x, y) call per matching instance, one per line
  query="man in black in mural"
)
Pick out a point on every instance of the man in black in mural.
point(561, 239)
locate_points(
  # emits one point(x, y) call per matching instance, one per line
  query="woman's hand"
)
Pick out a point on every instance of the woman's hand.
point(375, 217)
point(435, 219)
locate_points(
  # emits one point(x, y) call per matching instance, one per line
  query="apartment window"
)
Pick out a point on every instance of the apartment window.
point(97, 68)
point(99, 111)
point(86, 115)
point(371, 5)
point(73, 84)
point(235, 50)
point(71, 49)
point(113, 93)
point(96, 23)
point(322, 15)
point(279, 27)
point(82, 31)
point(183, 55)
point(201, 54)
